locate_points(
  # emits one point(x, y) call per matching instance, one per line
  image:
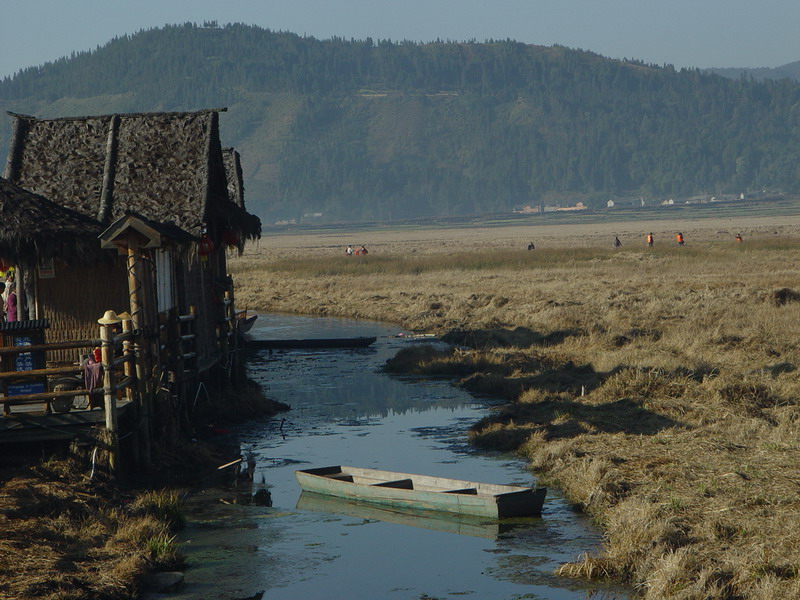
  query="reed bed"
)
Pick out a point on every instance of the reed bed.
point(657, 386)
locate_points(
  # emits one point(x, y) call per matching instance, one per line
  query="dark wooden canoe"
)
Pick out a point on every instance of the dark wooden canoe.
point(355, 342)
point(423, 492)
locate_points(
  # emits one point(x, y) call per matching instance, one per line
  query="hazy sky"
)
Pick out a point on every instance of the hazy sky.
point(685, 33)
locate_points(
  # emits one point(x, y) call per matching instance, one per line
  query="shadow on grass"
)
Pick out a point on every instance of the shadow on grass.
point(520, 337)
point(565, 378)
point(550, 398)
point(562, 418)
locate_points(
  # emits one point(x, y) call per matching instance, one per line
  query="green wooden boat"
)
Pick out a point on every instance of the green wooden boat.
point(423, 492)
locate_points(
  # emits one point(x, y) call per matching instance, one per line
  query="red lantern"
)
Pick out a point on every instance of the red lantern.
point(230, 238)
point(205, 246)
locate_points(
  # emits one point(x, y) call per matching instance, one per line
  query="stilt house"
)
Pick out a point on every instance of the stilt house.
point(149, 204)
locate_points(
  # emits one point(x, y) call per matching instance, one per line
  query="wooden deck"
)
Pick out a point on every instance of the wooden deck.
point(30, 423)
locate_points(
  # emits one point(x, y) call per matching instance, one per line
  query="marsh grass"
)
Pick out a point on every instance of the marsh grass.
point(164, 505)
point(659, 388)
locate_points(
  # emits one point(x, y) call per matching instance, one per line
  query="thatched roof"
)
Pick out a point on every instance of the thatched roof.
point(167, 167)
point(238, 217)
point(233, 173)
point(31, 226)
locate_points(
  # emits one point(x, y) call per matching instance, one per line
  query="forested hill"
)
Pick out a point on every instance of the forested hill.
point(790, 71)
point(375, 130)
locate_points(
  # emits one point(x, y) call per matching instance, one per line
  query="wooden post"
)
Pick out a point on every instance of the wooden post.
point(35, 280)
point(19, 285)
point(227, 307)
point(141, 443)
point(139, 350)
point(110, 401)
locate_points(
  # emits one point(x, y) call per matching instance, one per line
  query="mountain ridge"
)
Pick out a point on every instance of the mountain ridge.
point(363, 130)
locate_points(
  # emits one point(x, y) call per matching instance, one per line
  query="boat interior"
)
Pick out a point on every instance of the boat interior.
point(406, 483)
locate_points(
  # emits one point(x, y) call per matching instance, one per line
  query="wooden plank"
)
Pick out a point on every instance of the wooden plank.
point(74, 370)
point(405, 484)
point(33, 427)
point(44, 396)
point(123, 359)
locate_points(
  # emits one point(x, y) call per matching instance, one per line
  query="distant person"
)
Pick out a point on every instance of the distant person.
point(531, 246)
point(617, 243)
point(739, 239)
point(650, 240)
point(349, 251)
point(364, 250)
point(679, 238)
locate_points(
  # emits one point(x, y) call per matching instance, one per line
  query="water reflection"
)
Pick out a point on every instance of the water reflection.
point(345, 411)
point(448, 523)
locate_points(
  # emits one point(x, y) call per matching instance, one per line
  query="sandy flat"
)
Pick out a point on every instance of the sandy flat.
point(590, 234)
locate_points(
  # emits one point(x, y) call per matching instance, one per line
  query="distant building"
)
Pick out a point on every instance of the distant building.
point(578, 206)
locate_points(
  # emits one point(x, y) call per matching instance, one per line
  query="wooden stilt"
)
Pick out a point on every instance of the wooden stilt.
point(139, 350)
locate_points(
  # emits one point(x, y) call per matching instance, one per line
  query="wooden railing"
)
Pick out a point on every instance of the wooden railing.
point(117, 359)
point(130, 362)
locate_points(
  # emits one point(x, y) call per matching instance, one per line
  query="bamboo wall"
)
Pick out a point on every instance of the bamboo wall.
point(76, 297)
point(196, 289)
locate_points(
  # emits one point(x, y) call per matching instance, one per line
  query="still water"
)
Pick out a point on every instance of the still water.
point(345, 411)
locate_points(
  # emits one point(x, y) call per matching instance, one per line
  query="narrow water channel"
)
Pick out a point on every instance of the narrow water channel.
point(345, 411)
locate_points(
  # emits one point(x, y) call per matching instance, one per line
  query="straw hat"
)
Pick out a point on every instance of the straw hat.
point(110, 318)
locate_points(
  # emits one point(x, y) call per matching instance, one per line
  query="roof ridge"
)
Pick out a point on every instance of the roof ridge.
point(122, 115)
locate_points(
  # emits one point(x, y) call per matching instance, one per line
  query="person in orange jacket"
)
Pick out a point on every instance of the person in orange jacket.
point(650, 240)
point(679, 237)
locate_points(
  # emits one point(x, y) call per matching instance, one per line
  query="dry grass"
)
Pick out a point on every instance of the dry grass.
point(64, 536)
point(658, 387)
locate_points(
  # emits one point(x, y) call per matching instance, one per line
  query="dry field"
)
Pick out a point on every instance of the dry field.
point(658, 387)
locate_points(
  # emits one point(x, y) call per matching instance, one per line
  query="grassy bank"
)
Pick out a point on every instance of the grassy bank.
point(658, 387)
point(64, 536)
